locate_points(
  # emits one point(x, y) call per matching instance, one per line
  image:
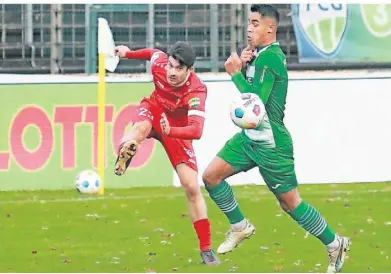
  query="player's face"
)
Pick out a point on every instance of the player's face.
point(258, 30)
point(176, 74)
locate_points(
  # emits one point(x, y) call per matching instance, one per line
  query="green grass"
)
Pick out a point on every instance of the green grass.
point(141, 229)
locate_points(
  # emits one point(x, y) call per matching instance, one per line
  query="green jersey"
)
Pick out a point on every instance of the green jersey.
point(267, 77)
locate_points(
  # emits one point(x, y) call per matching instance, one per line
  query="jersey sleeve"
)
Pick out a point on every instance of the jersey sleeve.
point(142, 54)
point(195, 102)
point(158, 57)
point(266, 68)
point(158, 64)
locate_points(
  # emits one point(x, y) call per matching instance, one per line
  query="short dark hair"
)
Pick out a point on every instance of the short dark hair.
point(183, 52)
point(266, 10)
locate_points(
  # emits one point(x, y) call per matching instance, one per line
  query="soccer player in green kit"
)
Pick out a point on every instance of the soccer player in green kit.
point(261, 69)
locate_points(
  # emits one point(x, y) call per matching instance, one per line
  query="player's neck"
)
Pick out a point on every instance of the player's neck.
point(268, 42)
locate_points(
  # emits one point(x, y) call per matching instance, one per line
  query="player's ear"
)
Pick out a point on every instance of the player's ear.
point(191, 68)
point(272, 28)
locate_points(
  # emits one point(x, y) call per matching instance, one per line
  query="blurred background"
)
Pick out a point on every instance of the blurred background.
point(61, 38)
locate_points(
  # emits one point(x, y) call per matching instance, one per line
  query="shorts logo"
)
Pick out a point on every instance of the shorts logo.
point(323, 25)
point(194, 102)
point(189, 153)
point(276, 186)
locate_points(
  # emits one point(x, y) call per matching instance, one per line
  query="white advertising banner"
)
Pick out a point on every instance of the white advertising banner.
point(341, 130)
point(340, 123)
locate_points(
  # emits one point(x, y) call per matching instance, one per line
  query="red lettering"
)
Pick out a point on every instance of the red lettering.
point(24, 158)
point(68, 116)
point(92, 117)
point(125, 117)
point(4, 160)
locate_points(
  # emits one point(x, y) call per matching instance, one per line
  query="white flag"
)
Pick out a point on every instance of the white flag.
point(106, 45)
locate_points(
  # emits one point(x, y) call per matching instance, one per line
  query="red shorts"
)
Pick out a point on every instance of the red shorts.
point(178, 150)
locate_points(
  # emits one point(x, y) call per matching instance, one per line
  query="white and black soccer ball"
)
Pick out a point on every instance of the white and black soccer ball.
point(247, 111)
point(88, 182)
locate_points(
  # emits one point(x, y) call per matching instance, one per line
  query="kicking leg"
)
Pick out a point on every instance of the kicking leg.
point(133, 138)
point(129, 145)
point(229, 161)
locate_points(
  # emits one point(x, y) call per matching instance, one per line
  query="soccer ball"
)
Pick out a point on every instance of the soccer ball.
point(88, 182)
point(247, 111)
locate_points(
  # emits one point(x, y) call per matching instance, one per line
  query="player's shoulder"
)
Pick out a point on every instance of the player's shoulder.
point(272, 57)
point(158, 57)
point(196, 84)
point(272, 54)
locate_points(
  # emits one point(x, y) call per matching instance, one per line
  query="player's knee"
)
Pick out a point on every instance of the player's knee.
point(212, 177)
point(143, 128)
point(287, 207)
point(189, 180)
point(289, 200)
point(192, 190)
point(209, 178)
point(217, 171)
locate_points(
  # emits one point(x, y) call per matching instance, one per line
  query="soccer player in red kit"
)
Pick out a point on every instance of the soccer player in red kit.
point(174, 115)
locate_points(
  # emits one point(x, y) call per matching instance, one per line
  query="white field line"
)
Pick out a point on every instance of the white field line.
point(264, 194)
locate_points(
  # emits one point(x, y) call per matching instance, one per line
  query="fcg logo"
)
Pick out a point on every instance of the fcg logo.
point(323, 25)
point(377, 19)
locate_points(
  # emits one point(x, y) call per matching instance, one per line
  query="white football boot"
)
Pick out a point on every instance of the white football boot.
point(234, 238)
point(337, 256)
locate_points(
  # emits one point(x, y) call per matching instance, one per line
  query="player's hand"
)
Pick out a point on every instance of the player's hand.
point(233, 64)
point(164, 124)
point(121, 51)
point(246, 56)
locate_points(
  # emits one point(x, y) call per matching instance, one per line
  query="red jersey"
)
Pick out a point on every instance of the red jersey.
point(184, 105)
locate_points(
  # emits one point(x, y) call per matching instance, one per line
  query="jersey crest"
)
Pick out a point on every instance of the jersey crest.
point(194, 102)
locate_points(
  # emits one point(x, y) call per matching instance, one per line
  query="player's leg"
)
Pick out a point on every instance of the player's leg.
point(230, 160)
point(197, 211)
point(277, 169)
point(182, 157)
point(309, 218)
point(134, 137)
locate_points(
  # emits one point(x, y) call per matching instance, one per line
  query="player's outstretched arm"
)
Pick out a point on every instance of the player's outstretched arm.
point(141, 54)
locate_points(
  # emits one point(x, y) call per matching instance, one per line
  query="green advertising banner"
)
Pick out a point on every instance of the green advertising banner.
point(49, 134)
point(342, 32)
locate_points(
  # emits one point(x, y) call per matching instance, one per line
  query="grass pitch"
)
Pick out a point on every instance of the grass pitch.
point(147, 229)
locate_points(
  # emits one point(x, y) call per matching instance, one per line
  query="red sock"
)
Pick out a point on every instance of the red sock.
point(202, 228)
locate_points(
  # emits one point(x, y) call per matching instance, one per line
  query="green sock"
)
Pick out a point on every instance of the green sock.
point(224, 198)
point(310, 219)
